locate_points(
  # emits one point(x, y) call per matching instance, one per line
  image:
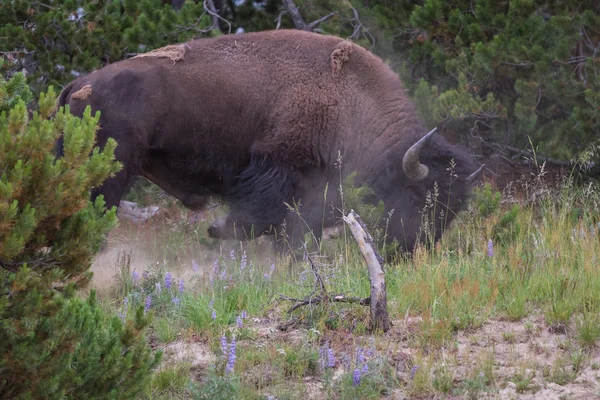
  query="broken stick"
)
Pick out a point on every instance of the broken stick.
point(379, 313)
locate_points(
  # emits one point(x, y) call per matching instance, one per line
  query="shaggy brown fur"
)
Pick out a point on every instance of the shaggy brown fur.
point(339, 56)
point(172, 52)
point(82, 93)
point(259, 119)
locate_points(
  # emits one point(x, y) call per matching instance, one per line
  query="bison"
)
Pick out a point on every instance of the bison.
point(262, 120)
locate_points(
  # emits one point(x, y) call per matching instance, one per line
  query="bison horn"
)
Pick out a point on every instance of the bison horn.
point(471, 178)
point(413, 169)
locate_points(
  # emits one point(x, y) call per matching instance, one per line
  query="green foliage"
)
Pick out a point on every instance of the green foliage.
point(53, 344)
point(485, 200)
point(47, 219)
point(507, 228)
point(56, 44)
point(510, 71)
point(357, 198)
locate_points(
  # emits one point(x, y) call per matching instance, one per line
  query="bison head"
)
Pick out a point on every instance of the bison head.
point(430, 188)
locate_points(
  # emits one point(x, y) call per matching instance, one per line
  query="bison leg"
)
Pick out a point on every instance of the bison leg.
point(258, 200)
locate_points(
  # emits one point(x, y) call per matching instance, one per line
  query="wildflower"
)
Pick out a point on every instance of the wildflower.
point(224, 345)
point(244, 314)
point(176, 301)
point(211, 303)
point(148, 303)
point(330, 358)
point(490, 248)
point(239, 322)
point(158, 289)
point(356, 377)
point(244, 262)
point(266, 276)
point(360, 358)
point(272, 268)
point(135, 276)
point(231, 359)
point(146, 275)
point(194, 265)
point(181, 285)
point(168, 280)
point(365, 369)
point(214, 314)
point(232, 254)
point(413, 371)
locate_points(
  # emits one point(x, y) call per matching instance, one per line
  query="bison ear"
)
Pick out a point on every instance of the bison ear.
point(391, 163)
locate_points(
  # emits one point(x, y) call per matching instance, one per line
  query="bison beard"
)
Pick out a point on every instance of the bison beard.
point(259, 120)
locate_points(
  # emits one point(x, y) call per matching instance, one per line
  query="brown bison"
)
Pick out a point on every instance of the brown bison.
point(260, 119)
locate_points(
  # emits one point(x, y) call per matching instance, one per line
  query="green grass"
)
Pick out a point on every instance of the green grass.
point(544, 264)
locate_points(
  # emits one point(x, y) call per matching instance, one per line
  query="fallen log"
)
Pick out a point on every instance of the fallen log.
point(132, 212)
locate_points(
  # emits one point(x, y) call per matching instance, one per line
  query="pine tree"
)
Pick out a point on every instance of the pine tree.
point(53, 344)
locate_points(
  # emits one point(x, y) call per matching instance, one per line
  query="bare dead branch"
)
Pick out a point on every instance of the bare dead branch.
point(379, 314)
point(359, 28)
point(295, 14)
point(299, 23)
point(313, 25)
point(279, 17)
point(338, 298)
point(209, 7)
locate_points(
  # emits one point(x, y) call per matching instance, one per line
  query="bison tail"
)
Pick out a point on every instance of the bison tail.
point(62, 101)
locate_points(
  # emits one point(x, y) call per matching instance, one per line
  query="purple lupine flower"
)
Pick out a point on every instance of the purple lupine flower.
point(180, 285)
point(214, 314)
point(322, 356)
point(158, 289)
point(365, 369)
point(239, 322)
point(148, 303)
point(168, 280)
point(413, 371)
point(231, 359)
point(145, 275)
point(135, 276)
point(244, 262)
point(232, 254)
point(266, 276)
point(194, 265)
point(244, 314)
point(272, 268)
point(224, 345)
point(211, 303)
point(360, 358)
point(176, 301)
point(330, 358)
point(356, 377)
point(490, 251)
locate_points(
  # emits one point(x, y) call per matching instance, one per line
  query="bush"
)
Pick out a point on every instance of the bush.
point(52, 343)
